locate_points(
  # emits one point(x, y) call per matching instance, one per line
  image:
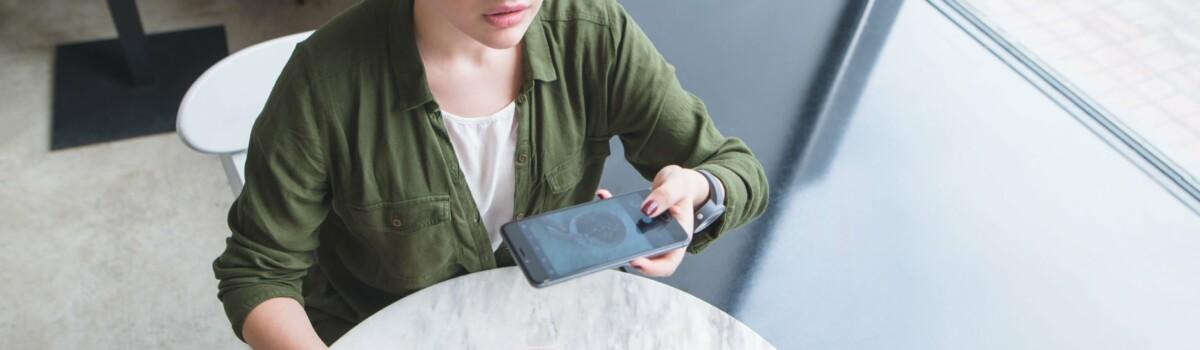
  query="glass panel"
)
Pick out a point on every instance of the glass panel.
point(1140, 60)
point(949, 203)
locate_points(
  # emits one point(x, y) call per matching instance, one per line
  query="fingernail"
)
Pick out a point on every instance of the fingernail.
point(649, 208)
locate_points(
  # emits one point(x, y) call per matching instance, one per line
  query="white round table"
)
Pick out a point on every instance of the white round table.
point(498, 309)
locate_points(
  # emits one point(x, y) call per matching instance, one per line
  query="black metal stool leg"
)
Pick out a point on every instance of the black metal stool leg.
point(133, 41)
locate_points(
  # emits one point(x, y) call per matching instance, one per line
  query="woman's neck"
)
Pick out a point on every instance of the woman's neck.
point(438, 39)
point(466, 77)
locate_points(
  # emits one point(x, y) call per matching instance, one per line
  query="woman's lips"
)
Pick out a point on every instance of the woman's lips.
point(506, 16)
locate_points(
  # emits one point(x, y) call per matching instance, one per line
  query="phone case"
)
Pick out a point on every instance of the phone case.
point(615, 263)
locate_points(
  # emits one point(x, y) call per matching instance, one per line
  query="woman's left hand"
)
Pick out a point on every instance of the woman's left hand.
point(676, 190)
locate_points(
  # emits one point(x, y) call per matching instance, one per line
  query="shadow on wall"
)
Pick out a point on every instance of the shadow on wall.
point(765, 70)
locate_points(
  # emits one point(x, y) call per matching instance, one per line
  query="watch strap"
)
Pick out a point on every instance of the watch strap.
point(714, 206)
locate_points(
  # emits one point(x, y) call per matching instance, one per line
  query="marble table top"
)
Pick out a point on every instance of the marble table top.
point(498, 309)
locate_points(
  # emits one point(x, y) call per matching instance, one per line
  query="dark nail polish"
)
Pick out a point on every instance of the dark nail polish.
point(649, 208)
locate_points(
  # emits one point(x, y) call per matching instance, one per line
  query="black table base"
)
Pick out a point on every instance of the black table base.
point(95, 101)
point(115, 89)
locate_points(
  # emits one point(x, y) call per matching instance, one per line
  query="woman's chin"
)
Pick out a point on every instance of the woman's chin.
point(502, 39)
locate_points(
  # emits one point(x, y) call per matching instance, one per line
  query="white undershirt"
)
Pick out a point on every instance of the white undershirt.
point(485, 147)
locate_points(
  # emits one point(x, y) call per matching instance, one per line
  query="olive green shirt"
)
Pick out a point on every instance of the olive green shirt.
point(353, 196)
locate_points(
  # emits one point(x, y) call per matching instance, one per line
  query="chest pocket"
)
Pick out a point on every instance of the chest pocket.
point(406, 242)
point(401, 217)
point(563, 181)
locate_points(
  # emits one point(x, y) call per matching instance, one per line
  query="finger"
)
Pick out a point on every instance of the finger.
point(639, 264)
point(662, 175)
point(668, 254)
point(660, 199)
point(603, 194)
point(649, 269)
point(661, 266)
point(655, 202)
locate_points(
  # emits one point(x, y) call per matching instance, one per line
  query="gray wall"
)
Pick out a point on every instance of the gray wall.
point(752, 63)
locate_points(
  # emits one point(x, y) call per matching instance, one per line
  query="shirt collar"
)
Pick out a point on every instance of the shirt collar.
point(538, 64)
point(409, 74)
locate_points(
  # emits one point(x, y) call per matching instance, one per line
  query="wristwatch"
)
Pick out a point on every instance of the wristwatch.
point(714, 207)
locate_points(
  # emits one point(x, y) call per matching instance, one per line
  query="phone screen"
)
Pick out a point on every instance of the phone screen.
point(598, 233)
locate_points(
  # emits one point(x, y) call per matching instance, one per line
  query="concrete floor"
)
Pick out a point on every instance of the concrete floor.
point(109, 246)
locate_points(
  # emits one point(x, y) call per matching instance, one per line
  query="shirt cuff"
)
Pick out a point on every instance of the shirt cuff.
point(733, 195)
point(239, 302)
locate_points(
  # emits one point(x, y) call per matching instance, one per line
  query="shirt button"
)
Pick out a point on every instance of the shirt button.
point(477, 220)
point(522, 158)
point(521, 99)
point(396, 221)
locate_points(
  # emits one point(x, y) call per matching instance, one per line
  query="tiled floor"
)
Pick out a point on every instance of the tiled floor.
point(109, 246)
point(1139, 59)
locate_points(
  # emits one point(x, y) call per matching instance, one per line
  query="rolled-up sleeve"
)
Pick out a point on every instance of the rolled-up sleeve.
point(276, 218)
point(659, 123)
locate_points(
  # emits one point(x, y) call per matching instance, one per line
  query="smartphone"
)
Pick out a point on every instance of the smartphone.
point(571, 242)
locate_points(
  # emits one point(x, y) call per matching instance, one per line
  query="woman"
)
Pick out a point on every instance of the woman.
point(402, 133)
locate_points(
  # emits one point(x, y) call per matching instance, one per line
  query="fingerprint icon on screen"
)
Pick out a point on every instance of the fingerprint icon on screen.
point(600, 228)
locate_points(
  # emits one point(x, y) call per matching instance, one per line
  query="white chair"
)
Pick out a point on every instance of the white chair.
point(219, 109)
